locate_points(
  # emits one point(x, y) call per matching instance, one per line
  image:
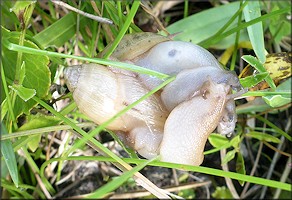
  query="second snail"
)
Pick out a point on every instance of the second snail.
point(174, 122)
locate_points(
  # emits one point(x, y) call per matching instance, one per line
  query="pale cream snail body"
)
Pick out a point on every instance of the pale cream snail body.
point(175, 122)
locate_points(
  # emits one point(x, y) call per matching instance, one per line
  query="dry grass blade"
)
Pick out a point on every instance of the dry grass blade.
point(94, 17)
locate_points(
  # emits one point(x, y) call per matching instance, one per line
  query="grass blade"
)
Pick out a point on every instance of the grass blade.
point(9, 156)
point(255, 32)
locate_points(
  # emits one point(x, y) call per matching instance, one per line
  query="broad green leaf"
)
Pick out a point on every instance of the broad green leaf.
point(9, 156)
point(240, 166)
point(280, 26)
point(217, 140)
point(251, 81)
point(24, 93)
point(199, 27)
point(263, 137)
point(260, 67)
point(38, 121)
point(252, 11)
point(229, 156)
point(280, 100)
point(59, 32)
point(37, 73)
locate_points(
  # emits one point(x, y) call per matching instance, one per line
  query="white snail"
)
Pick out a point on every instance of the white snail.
point(175, 122)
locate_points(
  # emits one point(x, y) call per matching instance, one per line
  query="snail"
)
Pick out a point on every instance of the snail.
point(174, 122)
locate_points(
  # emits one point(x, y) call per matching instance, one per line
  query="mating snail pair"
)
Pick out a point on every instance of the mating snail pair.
point(174, 122)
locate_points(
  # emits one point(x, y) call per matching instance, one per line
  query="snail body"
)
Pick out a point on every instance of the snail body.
point(172, 57)
point(202, 109)
point(174, 122)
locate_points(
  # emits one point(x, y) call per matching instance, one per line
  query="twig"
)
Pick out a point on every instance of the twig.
point(277, 150)
point(228, 180)
point(284, 176)
point(272, 167)
point(275, 159)
point(94, 17)
point(255, 165)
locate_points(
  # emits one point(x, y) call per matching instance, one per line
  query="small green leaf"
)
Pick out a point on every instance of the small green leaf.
point(229, 156)
point(259, 67)
point(240, 167)
point(251, 81)
point(9, 156)
point(34, 142)
point(24, 93)
point(280, 100)
point(235, 141)
point(252, 11)
point(21, 5)
point(263, 137)
point(217, 140)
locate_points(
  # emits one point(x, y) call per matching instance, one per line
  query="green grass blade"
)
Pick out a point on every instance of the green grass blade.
point(213, 40)
point(255, 31)
point(199, 169)
point(274, 127)
point(18, 193)
point(9, 156)
point(201, 26)
point(123, 30)
point(127, 66)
